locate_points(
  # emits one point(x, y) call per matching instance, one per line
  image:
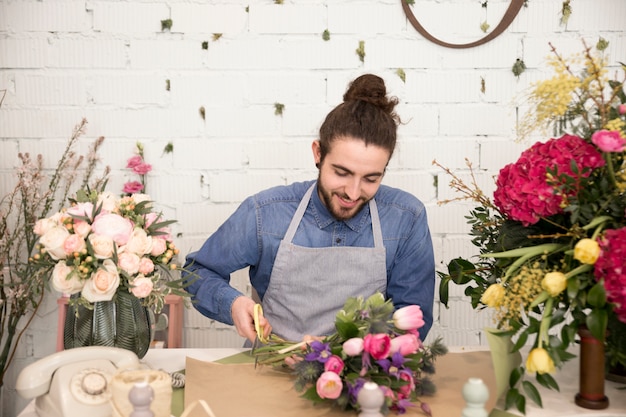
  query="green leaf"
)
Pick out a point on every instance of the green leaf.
point(347, 330)
point(311, 394)
point(547, 381)
point(516, 375)
point(596, 322)
point(511, 399)
point(444, 289)
point(460, 271)
point(597, 295)
point(532, 393)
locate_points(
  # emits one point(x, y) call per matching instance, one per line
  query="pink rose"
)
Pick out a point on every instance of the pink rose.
point(353, 347)
point(406, 344)
point(82, 228)
point(128, 262)
point(134, 161)
point(53, 240)
point(141, 287)
point(114, 226)
point(377, 345)
point(142, 169)
point(132, 187)
point(408, 318)
point(74, 244)
point(329, 385)
point(609, 141)
point(102, 284)
point(64, 280)
point(334, 364)
point(103, 246)
point(405, 390)
point(159, 246)
point(146, 266)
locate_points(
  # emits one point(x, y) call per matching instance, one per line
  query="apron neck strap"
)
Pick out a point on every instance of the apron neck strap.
point(297, 217)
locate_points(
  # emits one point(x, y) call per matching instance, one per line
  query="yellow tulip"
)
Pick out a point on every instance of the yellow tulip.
point(539, 361)
point(493, 296)
point(587, 251)
point(554, 283)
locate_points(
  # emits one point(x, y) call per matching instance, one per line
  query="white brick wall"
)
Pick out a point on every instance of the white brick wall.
point(110, 62)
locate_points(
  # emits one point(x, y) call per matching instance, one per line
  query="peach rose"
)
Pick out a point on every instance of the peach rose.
point(117, 227)
point(82, 228)
point(146, 266)
point(141, 287)
point(74, 243)
point(139, 242)
point(128, 262)
point(102, 284)
point(53, 241)
point(64, 280)
point(159, 246)
point(102, 246)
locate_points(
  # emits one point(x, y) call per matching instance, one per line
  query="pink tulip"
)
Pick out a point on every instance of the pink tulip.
point(406, 344)
point(377, 345)
point(334, 364)
point(329, 385)
point(353, 347)
point(408, 318)
point(621, 109)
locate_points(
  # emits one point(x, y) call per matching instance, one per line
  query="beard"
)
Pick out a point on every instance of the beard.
point(336, 210)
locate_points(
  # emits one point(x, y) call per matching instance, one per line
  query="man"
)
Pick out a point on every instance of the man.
point(312, 245)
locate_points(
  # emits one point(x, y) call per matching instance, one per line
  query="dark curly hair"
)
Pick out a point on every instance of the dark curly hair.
point(366, 114)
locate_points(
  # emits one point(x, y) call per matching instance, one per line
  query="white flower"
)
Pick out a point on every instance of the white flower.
point(53, 241)
point(64, 280)
point(102, 284)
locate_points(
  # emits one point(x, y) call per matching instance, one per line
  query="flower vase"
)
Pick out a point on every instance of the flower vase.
point(122, 322)
point(591, 377)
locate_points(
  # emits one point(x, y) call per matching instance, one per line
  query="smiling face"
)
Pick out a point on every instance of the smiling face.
point(349, 175)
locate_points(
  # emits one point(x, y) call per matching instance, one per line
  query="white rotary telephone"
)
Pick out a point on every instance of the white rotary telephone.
point(74, 382)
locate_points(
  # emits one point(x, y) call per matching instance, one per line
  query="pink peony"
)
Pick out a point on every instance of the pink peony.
point(408, 317)
point(611, 266)
point(377, 345)
point(132, 187)
point(525, 192)
point(329, 385)
point(115, 226)
point(609, 141)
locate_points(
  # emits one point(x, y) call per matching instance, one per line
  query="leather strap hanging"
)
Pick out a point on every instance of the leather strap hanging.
point(507, 19)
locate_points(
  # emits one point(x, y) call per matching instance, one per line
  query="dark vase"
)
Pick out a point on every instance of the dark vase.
point(591, 377)
point(122, 322)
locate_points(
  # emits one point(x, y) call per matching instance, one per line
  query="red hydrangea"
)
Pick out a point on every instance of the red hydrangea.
point(611, 265)
point(524, 191)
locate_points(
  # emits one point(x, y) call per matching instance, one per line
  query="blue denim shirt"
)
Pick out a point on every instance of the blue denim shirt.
point(251, 236)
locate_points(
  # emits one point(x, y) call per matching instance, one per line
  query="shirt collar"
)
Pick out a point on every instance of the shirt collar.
point(325, 219)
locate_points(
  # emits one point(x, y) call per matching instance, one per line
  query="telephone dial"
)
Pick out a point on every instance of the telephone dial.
point(74, 382)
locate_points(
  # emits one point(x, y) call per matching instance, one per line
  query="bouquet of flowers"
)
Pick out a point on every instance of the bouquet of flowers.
point(553, 240)
point(103, 244)
point(372, 344)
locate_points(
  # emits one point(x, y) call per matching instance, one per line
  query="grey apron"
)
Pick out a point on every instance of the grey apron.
point(308, 286)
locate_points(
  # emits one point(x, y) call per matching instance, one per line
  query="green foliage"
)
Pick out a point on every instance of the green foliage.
point(166, 24)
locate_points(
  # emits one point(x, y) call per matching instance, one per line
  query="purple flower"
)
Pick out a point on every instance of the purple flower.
point(321, 352)
point(393, 366)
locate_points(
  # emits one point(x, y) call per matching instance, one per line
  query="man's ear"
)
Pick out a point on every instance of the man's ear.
point(317, 152)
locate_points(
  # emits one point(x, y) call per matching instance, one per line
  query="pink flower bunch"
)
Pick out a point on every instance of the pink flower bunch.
point(391, 355)
point(139, 166)
point(611, 266)
point(527, 191)
point(103, 244)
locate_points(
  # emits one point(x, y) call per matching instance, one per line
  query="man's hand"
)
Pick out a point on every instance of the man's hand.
point(242, 311)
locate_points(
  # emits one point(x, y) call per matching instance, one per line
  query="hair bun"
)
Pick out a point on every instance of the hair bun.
point(370, 89)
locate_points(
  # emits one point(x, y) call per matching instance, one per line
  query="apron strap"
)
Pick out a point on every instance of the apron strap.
point(297, 217)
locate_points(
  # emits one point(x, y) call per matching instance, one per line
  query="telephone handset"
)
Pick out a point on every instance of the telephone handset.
point(74, 382)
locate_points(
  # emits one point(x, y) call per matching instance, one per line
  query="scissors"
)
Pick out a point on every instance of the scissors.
point(260, 339)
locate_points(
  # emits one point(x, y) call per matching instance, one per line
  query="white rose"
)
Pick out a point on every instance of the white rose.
point(102, 284)
point(102, 246)
point(43, 225)
point(129, 262)
point(64, 280)
point(108, 201)
point(53, 241)
point(117, 227)
point(139, 242)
